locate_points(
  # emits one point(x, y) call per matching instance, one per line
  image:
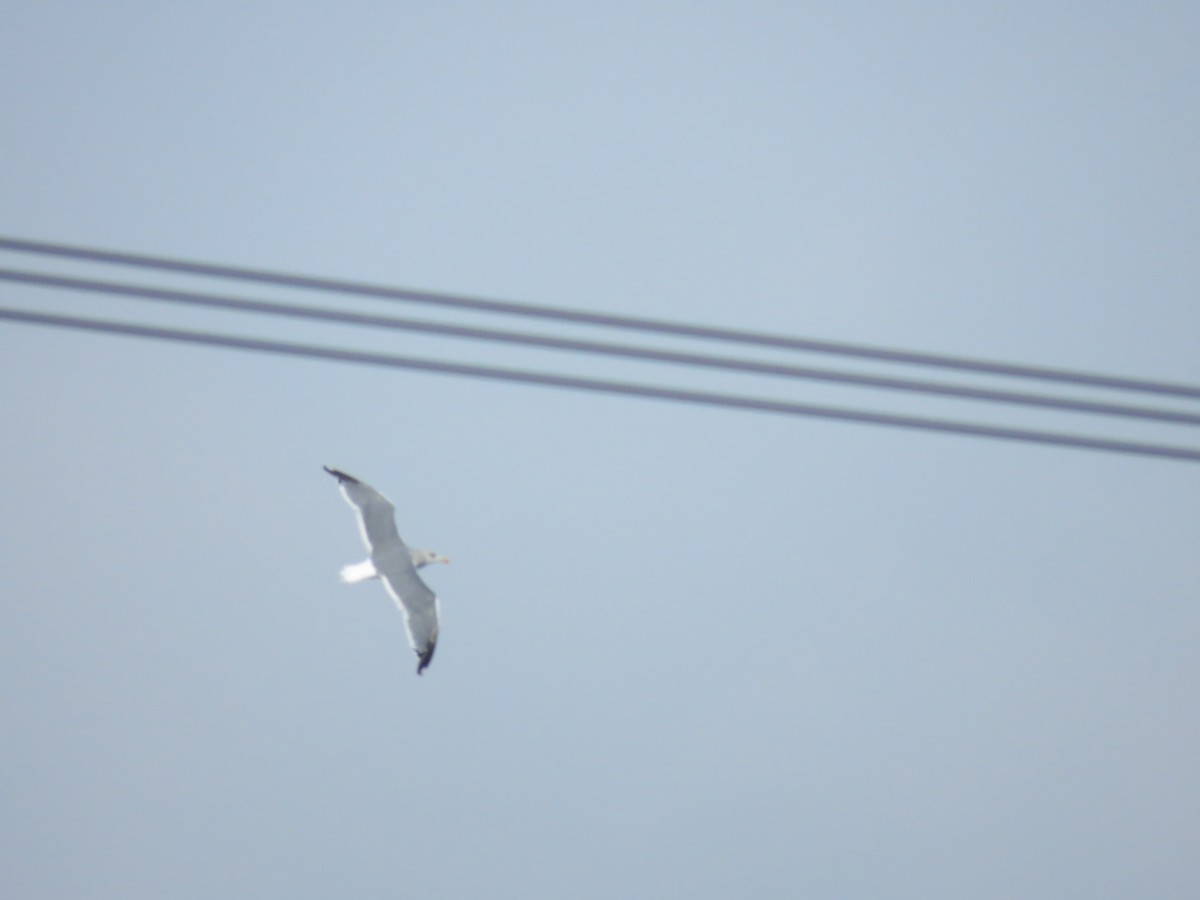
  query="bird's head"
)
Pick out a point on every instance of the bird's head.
point(422, 558)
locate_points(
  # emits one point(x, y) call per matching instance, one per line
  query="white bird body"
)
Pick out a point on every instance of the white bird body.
point(365, 570)
point(393, 563)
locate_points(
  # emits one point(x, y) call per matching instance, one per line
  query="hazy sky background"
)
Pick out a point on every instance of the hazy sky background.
point(684, 652)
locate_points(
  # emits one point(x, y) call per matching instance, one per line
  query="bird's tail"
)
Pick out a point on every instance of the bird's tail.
point(356, 572)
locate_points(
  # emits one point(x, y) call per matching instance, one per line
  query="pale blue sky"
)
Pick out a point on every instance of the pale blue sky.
point(684, 652)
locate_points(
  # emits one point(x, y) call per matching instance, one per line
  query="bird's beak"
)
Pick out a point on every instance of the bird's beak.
point(445, 559)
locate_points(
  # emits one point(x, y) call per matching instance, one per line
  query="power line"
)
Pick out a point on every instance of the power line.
point(578, 317)
point(727, 401)
point(239, 304)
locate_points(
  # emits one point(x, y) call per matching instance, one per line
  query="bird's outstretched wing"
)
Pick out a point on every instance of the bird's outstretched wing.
point(420, 607)
point(376, 515)
point(393, 563)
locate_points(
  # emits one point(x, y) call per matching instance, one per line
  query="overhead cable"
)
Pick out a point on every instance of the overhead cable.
point(580, 317)
point(240, 304)
point(778, 407)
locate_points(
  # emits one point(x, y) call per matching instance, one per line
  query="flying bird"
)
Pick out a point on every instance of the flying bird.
point(393, 563)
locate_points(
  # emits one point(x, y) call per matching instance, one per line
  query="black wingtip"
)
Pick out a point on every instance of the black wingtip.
point(424, 657)
point(340, 475)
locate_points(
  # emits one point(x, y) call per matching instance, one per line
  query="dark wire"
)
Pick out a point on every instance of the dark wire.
point(560, 314)
point(214, 301)
point(1188, 454)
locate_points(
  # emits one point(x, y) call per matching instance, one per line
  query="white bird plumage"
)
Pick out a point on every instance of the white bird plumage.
point(393, 563)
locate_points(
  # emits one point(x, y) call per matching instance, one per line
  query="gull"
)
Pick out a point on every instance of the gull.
point(393, 563)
